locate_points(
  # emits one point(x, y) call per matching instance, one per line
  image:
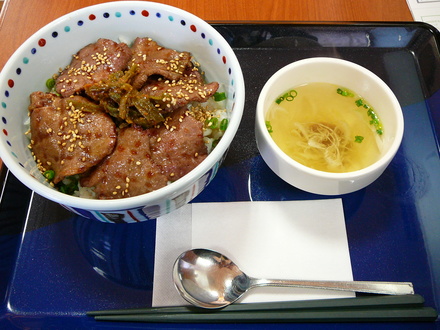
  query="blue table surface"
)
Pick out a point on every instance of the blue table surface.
point(55, 266)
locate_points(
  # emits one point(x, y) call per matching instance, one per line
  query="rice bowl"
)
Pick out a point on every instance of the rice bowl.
point(31, 65)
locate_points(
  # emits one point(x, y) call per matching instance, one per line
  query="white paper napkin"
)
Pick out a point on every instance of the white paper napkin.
point(427, 11)
point(276, 240)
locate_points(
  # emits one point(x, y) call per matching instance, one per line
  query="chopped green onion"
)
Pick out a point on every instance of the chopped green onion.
point(344, 92)
point(224, 124)
point(49, 174)
point(358, 139)
point(289, 96)
point(359, 102)
point(50, 83)
point(69, 185)
point(219, 96)
point(269, 127)
point(212, 123)
point(375, 121)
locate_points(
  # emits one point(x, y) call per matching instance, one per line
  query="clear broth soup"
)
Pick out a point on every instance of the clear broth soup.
point(326, 127)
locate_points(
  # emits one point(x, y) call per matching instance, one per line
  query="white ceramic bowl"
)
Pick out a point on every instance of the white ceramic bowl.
point(52, 47)
point(345, 74)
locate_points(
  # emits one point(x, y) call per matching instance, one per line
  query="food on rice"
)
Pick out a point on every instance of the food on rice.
point(122, 121)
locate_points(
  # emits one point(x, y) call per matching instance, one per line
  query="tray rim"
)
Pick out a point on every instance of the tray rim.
point(4, 172)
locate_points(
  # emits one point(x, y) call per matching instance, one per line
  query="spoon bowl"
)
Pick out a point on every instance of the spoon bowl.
point(209, 279)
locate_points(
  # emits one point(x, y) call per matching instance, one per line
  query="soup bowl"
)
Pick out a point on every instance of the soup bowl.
point(344, 74)
point(52, 47)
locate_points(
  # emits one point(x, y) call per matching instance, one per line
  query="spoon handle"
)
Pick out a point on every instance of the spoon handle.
point(393, 288)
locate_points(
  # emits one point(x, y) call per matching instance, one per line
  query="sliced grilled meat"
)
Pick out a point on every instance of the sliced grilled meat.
point(129, 170)
point(92, 63)
point(154, 59)
point(66, 139)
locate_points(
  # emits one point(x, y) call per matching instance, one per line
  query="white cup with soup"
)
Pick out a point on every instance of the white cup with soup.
point(327, 126)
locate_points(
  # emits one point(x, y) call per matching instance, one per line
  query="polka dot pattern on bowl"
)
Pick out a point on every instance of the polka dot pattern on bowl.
point(51, 48)
point(43, 42)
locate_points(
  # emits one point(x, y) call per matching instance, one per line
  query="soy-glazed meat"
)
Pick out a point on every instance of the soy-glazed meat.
point(146, 160)
point(124, 121)
point(177, 146)
point(154, 59)
point(189, 88)
point(128, 171)
point(169, 75)
point(92, 63)
point(66, 139)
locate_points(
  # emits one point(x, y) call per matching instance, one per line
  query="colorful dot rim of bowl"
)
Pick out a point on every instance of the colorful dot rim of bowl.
point(42, 42)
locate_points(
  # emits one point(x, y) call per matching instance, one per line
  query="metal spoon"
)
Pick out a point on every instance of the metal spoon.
point(208, 279)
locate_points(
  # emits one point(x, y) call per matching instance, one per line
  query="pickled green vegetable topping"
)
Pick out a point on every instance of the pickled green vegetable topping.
point(120, 100)
point(289, 96)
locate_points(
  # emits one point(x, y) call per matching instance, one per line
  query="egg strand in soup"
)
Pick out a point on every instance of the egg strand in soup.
point(325, 127)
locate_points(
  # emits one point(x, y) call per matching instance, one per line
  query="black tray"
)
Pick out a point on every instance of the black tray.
point(54, 266)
